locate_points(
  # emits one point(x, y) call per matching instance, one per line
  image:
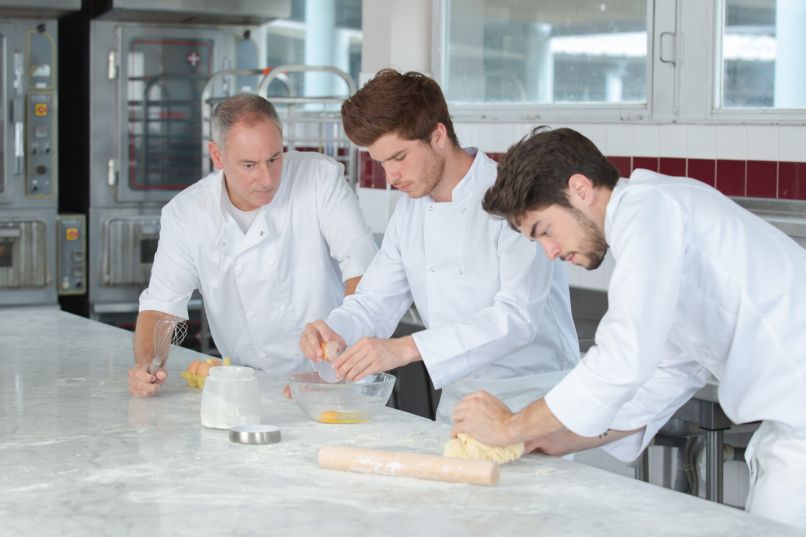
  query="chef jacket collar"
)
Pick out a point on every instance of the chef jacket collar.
point(463, 189)
point(612, 206)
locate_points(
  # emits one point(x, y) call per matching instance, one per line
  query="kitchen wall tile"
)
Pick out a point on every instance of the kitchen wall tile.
point(762, 142)
point(702, 169)
point(731, 177)
point(619, 140)
point(792, 180)
point(645, 141)
point(701, 142)
point(792, 144)
point(622, 164)
point(673, 166)
point(672, 141)
point(731, 142)
point(646, 163)
point(762, 179)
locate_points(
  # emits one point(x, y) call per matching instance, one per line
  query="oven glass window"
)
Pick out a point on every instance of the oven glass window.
point(148, 247)
point(165, 80)
point(6, 253)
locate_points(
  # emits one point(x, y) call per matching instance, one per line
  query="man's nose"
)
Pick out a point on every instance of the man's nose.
point(392, 173)
point(551, 248)
point(266, 175)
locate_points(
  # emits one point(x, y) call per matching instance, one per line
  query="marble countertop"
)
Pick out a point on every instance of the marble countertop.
point(81, 457)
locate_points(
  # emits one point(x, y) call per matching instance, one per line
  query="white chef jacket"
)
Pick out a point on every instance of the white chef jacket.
point(702, 290)
point(261, 287)
point(495, 308)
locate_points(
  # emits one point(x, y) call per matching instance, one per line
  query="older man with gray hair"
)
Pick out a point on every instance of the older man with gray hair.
point(270, 240)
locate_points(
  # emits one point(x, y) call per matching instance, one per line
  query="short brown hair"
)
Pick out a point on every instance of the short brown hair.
point(409, 105)
point(534, 173)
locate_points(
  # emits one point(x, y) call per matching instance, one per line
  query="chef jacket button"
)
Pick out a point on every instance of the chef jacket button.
point(261, 232)
point(464, 209)
point(430, 208)
point(432, 269)
point(262, 355)
point(250, 313)
point(476, 377)
point(460, 272)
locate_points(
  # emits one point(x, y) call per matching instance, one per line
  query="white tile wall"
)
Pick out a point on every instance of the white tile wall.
point(731, 142)
point(672, 141)
point(701, 142)
point(762, 142)
point(645, 141)
point(792, 143)
point(619, 140)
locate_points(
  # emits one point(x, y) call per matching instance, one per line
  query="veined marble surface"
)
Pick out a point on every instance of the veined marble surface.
point(81, 457)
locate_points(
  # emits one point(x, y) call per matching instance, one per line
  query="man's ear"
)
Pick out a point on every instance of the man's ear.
point(581, 188)
point(439, 136)
point(215, 154)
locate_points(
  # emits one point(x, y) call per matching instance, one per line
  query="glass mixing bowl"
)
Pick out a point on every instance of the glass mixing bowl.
point(341, 402)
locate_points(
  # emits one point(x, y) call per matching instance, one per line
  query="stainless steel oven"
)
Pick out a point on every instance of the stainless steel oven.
point(147, 74)
point(29, 151)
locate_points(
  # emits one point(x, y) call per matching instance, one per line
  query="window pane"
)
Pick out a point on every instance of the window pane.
point(763, 46)
point(553, 51)
point(318, 32)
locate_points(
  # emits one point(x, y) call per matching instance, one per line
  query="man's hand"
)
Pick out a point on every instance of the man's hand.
point(374, 355)
point(485, 418)
point(144, 384)
point(310, 342)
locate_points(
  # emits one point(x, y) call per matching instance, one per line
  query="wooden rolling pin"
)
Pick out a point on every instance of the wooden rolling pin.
point(373, 461)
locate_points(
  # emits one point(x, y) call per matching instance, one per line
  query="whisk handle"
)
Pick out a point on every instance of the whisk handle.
point(155, 365)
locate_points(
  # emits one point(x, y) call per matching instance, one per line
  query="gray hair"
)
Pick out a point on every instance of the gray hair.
point(243, 107)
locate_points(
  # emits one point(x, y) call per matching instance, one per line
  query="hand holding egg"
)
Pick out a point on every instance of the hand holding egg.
point(319, 342)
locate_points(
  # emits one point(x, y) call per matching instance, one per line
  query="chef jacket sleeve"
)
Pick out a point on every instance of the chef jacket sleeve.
point(342, 224)
point(455, 350)
point(647, 234)
point(174, 275)
point(675, 381)
point(382, 297)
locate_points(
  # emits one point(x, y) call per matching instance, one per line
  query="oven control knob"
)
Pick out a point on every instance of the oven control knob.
point(41, 169)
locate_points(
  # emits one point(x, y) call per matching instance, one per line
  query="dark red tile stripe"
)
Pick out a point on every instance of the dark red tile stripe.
point(646, 163)
point(673, 166)
point(754, 178)
point(792, 180)
point(762, 179)
point(703, 170)
point(731, 177)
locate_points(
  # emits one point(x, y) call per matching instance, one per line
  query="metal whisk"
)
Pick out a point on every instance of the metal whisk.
point(167, 332)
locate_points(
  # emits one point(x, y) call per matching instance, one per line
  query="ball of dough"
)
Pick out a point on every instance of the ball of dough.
point(467, 447)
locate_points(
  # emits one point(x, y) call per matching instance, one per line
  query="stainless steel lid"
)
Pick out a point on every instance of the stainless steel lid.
point(254, 434)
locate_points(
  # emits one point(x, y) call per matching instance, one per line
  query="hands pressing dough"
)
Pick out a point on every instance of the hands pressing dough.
point(467, 447)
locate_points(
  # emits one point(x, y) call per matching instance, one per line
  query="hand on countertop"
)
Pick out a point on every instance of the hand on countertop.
point(373, 355)
point(144, 384)
point(310, 342)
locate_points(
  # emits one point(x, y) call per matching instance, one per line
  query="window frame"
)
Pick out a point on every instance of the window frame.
point(674, 92)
